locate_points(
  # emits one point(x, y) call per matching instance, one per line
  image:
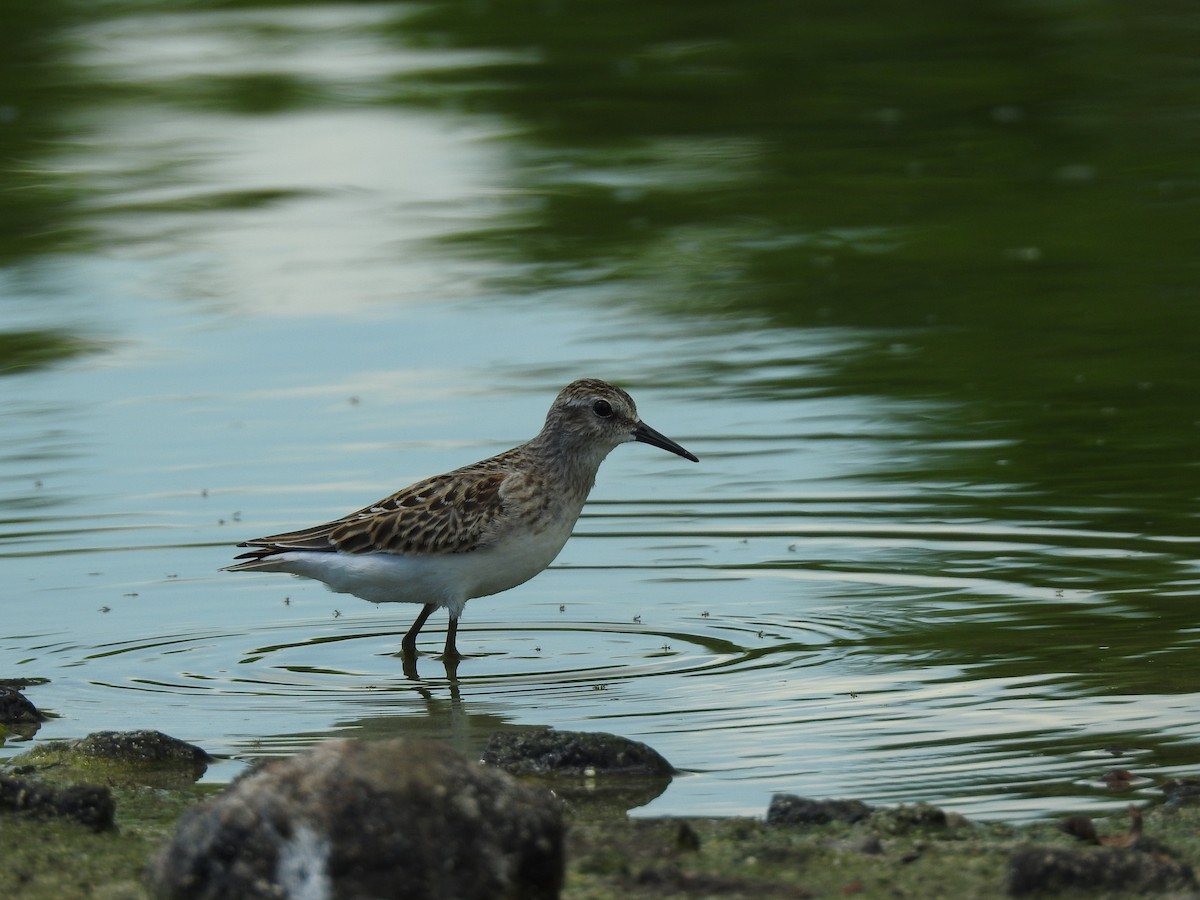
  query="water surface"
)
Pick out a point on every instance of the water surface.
point(918, 288)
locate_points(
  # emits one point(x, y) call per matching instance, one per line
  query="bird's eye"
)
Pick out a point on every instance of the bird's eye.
point(602, 408)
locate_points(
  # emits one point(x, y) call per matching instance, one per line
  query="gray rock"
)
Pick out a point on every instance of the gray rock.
point(550, 752)
point(142, 747)
point(359, 819)
point(788, 809)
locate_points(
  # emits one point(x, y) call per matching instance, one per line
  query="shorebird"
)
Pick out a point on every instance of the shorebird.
point(472, 532)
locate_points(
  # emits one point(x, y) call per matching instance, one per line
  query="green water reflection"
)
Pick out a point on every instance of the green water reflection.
point(36, 90)
point(1001, 196)
point(1005, 193)
point(999, 199)
point(21, 350)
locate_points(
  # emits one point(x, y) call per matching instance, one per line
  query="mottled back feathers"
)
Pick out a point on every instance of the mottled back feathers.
point(452, 513)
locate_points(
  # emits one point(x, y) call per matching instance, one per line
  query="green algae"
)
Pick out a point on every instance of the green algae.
point(136, 757)
point(51, 859)
point(21, 351)
point(879, 858)
point(897, 852)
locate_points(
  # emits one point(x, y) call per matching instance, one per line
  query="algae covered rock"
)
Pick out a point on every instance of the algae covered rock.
point(132, 757)
point(368, 819)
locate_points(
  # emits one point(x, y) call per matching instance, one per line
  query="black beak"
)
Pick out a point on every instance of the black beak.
point(648, 435)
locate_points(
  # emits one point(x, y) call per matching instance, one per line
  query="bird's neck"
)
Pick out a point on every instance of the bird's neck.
point(571, 463)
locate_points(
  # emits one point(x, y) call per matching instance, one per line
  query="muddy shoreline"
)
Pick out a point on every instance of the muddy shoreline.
point(801, 847)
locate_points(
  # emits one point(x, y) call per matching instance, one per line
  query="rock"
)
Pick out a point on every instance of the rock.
point(17, 714)
point(904, 819)
point(1053, 870)
point(89, 805)
point(143, 747)
point(574, 753)
point(15, 708)
point(788, 809)
point(368, 819)
point(139, 757)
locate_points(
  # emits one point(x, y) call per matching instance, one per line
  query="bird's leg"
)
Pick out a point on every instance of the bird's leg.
point(408, 665)
point(451, 632)
point(409, 644)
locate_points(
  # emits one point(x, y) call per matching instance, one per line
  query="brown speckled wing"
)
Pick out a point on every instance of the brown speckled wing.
point(452, 513)
point(444, 514)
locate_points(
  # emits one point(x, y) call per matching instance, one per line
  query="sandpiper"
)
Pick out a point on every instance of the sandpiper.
point(472, 532)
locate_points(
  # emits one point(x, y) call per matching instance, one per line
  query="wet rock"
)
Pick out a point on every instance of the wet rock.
point(1051, 870)
point(144, 747)
point(142, 757)
point(788, 809)
point(17, 713)
point(607, 773)
point(586, 753)
point(89, 805)
point(15, 708)
point(368, 819)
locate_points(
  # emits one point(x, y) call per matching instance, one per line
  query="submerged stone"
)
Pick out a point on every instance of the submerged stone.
point(368, 819)
point(577, 753)
point(144, 757)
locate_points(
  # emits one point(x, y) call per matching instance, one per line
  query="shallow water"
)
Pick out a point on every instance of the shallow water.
point(930, 328)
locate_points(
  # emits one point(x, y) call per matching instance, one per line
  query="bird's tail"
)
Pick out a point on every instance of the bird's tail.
point(260, 559)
